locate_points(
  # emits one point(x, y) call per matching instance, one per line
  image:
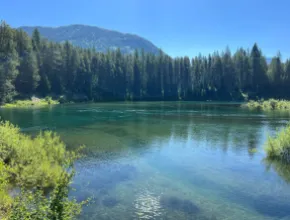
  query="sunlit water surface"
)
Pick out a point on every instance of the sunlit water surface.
point(168, 160)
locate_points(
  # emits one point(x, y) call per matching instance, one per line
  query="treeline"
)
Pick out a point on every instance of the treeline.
point(30, 66)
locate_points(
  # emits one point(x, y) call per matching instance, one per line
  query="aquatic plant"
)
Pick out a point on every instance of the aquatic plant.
point(41, 168)
point(278, 147)
point(271, 104)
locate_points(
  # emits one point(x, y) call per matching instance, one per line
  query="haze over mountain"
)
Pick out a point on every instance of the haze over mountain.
point(94, 37)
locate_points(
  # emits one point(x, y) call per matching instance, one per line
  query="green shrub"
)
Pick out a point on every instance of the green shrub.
point(42, 168)
point(30, 103)
point(35, 205)
point(271, 104)
point(5, 199)
point(33, 162)
point(278, 147)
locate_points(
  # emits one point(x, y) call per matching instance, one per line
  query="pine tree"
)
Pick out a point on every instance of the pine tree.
point(229, 76)
point(275, 71)
point(36, 40)
point(28, 77)
point(137, 77)
point(286, 78)
point(259, 69)
point(8, 63)
point(50, 68)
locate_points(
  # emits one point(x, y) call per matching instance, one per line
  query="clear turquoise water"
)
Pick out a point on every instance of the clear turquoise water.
point(169, 160)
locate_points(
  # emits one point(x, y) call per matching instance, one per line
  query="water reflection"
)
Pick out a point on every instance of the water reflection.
point(147, 206)
point(281, 168)
point(169, 160)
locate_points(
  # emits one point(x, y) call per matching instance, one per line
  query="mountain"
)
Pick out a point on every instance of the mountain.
point(90, 36)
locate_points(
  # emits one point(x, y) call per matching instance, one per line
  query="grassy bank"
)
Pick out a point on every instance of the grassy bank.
point(271, 104)
point(41, 169)
point(33, 102)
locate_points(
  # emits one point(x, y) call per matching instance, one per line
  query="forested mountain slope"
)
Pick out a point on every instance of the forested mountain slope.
point(33, 65)
point(94, 37)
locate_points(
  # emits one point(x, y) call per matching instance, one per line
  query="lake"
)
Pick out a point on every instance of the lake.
point(169, 160)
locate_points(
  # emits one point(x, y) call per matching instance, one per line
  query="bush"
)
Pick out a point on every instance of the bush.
point(42, 168)
point(271, 104)
point(33, 162)
point(30, 103)
point(5, 199)
point(278, 148)
point(35, 205)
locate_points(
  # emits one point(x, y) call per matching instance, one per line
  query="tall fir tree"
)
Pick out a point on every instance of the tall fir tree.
point(28, 77)
point(259, 69)
point(35, 65)
point(8, 62)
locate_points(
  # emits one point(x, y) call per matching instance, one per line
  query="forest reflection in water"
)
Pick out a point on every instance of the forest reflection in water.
point(169, 160)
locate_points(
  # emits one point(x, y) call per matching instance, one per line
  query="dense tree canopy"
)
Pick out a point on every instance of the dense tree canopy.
point(36, 66)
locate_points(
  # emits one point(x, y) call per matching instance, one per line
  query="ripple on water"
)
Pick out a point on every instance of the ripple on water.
point(147, 206)
point(89, 110)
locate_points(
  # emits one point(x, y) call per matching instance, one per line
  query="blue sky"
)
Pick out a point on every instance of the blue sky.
point(179, 27)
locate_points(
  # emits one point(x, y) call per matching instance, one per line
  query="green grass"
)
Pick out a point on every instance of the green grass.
point(34, 102)
point(271, 104)
point(278, 147)
point(38, 166)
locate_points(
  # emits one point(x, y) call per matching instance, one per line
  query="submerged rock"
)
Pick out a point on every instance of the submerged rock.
point(110, 202)
point(174, 203)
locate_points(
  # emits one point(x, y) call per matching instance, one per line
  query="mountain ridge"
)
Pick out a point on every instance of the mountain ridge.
point(88, 36)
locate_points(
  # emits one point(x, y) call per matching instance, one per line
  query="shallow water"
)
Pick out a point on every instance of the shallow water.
point(169, 160)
